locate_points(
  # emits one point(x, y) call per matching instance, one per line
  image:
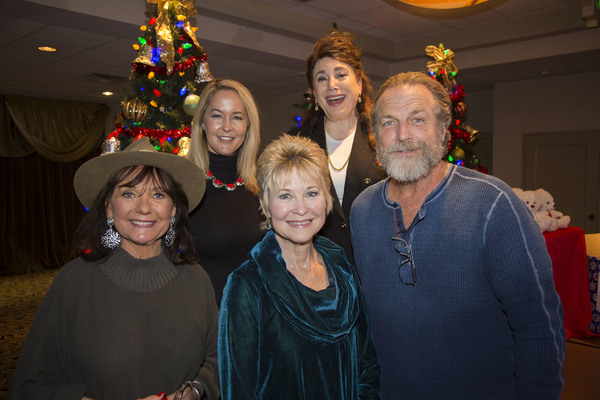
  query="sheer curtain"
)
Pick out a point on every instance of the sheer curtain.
point(42, 143)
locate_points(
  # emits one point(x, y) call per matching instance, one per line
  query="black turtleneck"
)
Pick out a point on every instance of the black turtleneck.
point(226, 224)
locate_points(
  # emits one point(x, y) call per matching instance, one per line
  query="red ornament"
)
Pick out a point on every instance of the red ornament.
point(156, 93)
point(180, 50)
point(152, 21)
point(460, 108)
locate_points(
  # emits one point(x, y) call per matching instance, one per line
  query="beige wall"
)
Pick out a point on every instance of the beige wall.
point(277, 114)
point(550, 104)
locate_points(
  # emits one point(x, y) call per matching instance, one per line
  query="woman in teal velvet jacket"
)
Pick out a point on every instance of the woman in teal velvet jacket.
point(293, 322)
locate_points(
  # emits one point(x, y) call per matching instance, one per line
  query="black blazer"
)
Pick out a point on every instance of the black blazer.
point(363, 171)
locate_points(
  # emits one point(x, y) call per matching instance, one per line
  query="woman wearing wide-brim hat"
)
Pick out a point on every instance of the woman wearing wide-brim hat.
point(133, 316)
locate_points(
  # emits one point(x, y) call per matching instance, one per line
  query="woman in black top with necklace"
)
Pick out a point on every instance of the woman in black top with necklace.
point(224, 143)
point(340, 124)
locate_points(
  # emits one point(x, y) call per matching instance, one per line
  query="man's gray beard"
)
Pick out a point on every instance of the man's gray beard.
point(406, 170)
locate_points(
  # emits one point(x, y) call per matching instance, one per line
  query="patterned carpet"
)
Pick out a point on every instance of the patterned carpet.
point(19, 300)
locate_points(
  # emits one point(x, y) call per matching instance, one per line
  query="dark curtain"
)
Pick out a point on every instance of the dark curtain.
point(39, 210)
point(40, 213)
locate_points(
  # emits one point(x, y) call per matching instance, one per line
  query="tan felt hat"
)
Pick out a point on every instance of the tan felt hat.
point(92, 176)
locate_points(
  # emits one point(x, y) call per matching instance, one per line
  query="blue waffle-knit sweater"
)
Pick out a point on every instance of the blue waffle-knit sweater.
point(483, 320)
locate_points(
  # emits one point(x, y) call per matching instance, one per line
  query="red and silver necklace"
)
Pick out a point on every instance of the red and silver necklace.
point(218, 184)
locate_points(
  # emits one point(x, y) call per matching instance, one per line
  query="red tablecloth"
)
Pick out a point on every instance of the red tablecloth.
point(569, 262)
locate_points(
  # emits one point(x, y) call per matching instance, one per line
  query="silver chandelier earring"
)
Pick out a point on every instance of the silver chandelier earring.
point(170, 236)
point(111, 238)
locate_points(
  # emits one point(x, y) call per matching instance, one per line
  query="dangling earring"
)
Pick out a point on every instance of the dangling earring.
point(170, 236)
point(316, 106)
point(111, 238)
point(268, 224)
point(359, 98)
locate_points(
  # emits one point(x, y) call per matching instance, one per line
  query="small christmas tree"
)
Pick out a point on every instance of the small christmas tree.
point(463, 138)
point(168, 73)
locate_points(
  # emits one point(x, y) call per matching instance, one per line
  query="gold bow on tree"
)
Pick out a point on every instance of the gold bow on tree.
point(442, 59)
point(163, 29)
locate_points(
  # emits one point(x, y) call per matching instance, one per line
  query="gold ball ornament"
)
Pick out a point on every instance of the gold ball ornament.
point(190, 103)
point(458, 153)
point(183, 146)
point(135, 110)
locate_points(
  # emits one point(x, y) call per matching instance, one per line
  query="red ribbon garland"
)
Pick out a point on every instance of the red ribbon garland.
point(159, 134)
point(457, 94)
point(144, 68)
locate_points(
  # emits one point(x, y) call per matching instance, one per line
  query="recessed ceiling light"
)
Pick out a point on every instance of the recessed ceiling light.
point(47, 49)
point(545, 72)
point(442, 4)
point(107, 93)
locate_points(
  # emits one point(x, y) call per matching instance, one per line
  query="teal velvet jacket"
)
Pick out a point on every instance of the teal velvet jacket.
point(279, 339)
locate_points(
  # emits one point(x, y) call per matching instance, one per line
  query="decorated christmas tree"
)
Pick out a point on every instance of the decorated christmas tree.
point(463, 138)
point(168, 73)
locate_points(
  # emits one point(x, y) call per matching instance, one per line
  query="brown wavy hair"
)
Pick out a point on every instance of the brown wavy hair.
point(341, 48)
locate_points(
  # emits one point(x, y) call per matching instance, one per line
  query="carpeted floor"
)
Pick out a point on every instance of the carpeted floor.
point(21, 296)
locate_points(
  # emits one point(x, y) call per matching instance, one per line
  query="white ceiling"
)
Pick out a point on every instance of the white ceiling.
point(264, 44)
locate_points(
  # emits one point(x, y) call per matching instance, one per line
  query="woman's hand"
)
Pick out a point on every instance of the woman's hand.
point(190, 391)
point(160, 396)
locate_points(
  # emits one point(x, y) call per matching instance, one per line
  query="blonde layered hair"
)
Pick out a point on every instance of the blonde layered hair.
point(281, 156)
point(248, 151)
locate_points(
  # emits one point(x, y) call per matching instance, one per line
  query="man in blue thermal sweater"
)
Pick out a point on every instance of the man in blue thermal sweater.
point(453, 266)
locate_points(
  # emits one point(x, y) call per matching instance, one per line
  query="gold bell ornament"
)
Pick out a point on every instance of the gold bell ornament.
point(203, 73)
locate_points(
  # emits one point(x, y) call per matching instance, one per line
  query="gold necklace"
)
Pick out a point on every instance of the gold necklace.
point(331, 162)
point(329, 156)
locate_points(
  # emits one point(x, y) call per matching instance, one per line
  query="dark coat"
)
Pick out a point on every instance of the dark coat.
point(363, 171)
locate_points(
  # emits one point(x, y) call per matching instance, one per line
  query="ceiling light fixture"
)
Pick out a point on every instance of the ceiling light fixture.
point(107, 93)
point(442, 4)
point(47, 49)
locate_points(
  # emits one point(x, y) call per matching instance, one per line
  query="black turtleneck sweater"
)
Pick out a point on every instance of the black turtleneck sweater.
point(225, 225)
point(121, 329)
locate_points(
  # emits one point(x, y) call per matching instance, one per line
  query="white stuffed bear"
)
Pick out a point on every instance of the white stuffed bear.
point(545, 222)
point(547, 206)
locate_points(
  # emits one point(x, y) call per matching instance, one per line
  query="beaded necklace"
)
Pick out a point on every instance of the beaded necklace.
point(218, 184)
